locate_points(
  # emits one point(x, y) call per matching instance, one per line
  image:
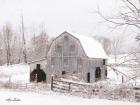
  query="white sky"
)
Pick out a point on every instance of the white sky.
point(58, 15)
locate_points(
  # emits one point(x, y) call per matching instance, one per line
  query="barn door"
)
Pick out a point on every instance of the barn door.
point(97, 74)
point(88, 77)
point(38, 75)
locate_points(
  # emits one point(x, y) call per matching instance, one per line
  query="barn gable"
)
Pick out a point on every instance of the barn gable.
point(66, 45)
point(91, 47)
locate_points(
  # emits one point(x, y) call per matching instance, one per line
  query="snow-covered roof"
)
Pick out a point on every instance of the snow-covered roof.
point(92, 47)
point(43, 59)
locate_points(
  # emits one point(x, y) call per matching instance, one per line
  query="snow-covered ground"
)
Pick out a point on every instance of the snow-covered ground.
point(51, 98)
point(125, 67)
point(17, 73)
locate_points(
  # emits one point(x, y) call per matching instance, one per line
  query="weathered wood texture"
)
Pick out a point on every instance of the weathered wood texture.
point(100, 90)
point(67, 54)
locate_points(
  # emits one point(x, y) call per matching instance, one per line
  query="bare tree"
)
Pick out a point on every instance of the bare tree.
point(7, 38)
point(2, 60)
point(24, 42)
point(129, 15)
point(16, 47)
point(39, 46)
point(106, 43)
point(116, 44)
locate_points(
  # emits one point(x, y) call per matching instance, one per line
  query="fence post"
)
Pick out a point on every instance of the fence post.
point(52, 83)
point(69, 87)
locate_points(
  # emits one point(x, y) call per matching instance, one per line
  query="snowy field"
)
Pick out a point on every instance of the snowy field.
point(17, 73)
point(51, 98)
point(125, 64)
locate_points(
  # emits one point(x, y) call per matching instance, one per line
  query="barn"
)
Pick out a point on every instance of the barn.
point(70, 54)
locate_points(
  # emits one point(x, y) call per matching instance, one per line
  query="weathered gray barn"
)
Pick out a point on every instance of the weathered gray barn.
point(69, 54)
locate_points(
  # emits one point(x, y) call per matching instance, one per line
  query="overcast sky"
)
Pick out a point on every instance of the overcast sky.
point(58, 15)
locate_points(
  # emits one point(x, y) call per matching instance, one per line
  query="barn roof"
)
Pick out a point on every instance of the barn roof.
point(92, 47)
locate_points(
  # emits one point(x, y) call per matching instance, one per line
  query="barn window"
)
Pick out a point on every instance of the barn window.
point(104, 61)
point(52, 61)
point(98, 73)
point(66, 38)
point(37, 66)
point(63, 72)
point(72, 48)
point(65, 61)
point(79, 61)
point(88, 77)
point(74, 72)
point(59, 48)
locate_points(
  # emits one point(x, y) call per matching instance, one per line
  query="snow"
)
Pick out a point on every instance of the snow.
point(17, 73)
point(92, 47)
point(126, 65)
point(51, 98)
point(111, 75)
point(123, 59)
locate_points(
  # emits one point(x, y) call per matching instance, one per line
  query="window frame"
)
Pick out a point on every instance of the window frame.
point(66, 61)
point(72, 48)
point(79, 61)
point(58, 48)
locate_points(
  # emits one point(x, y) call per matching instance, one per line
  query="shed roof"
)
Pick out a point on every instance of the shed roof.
point(92, 47)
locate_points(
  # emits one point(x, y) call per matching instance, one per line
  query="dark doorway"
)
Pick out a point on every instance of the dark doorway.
point(38, 75)
point(63, 72)
point(88, 77)
point(105, 73)
point(104, 61)
point(97, 74)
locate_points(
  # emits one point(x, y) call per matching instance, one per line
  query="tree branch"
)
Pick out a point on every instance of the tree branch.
point(132, 4)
